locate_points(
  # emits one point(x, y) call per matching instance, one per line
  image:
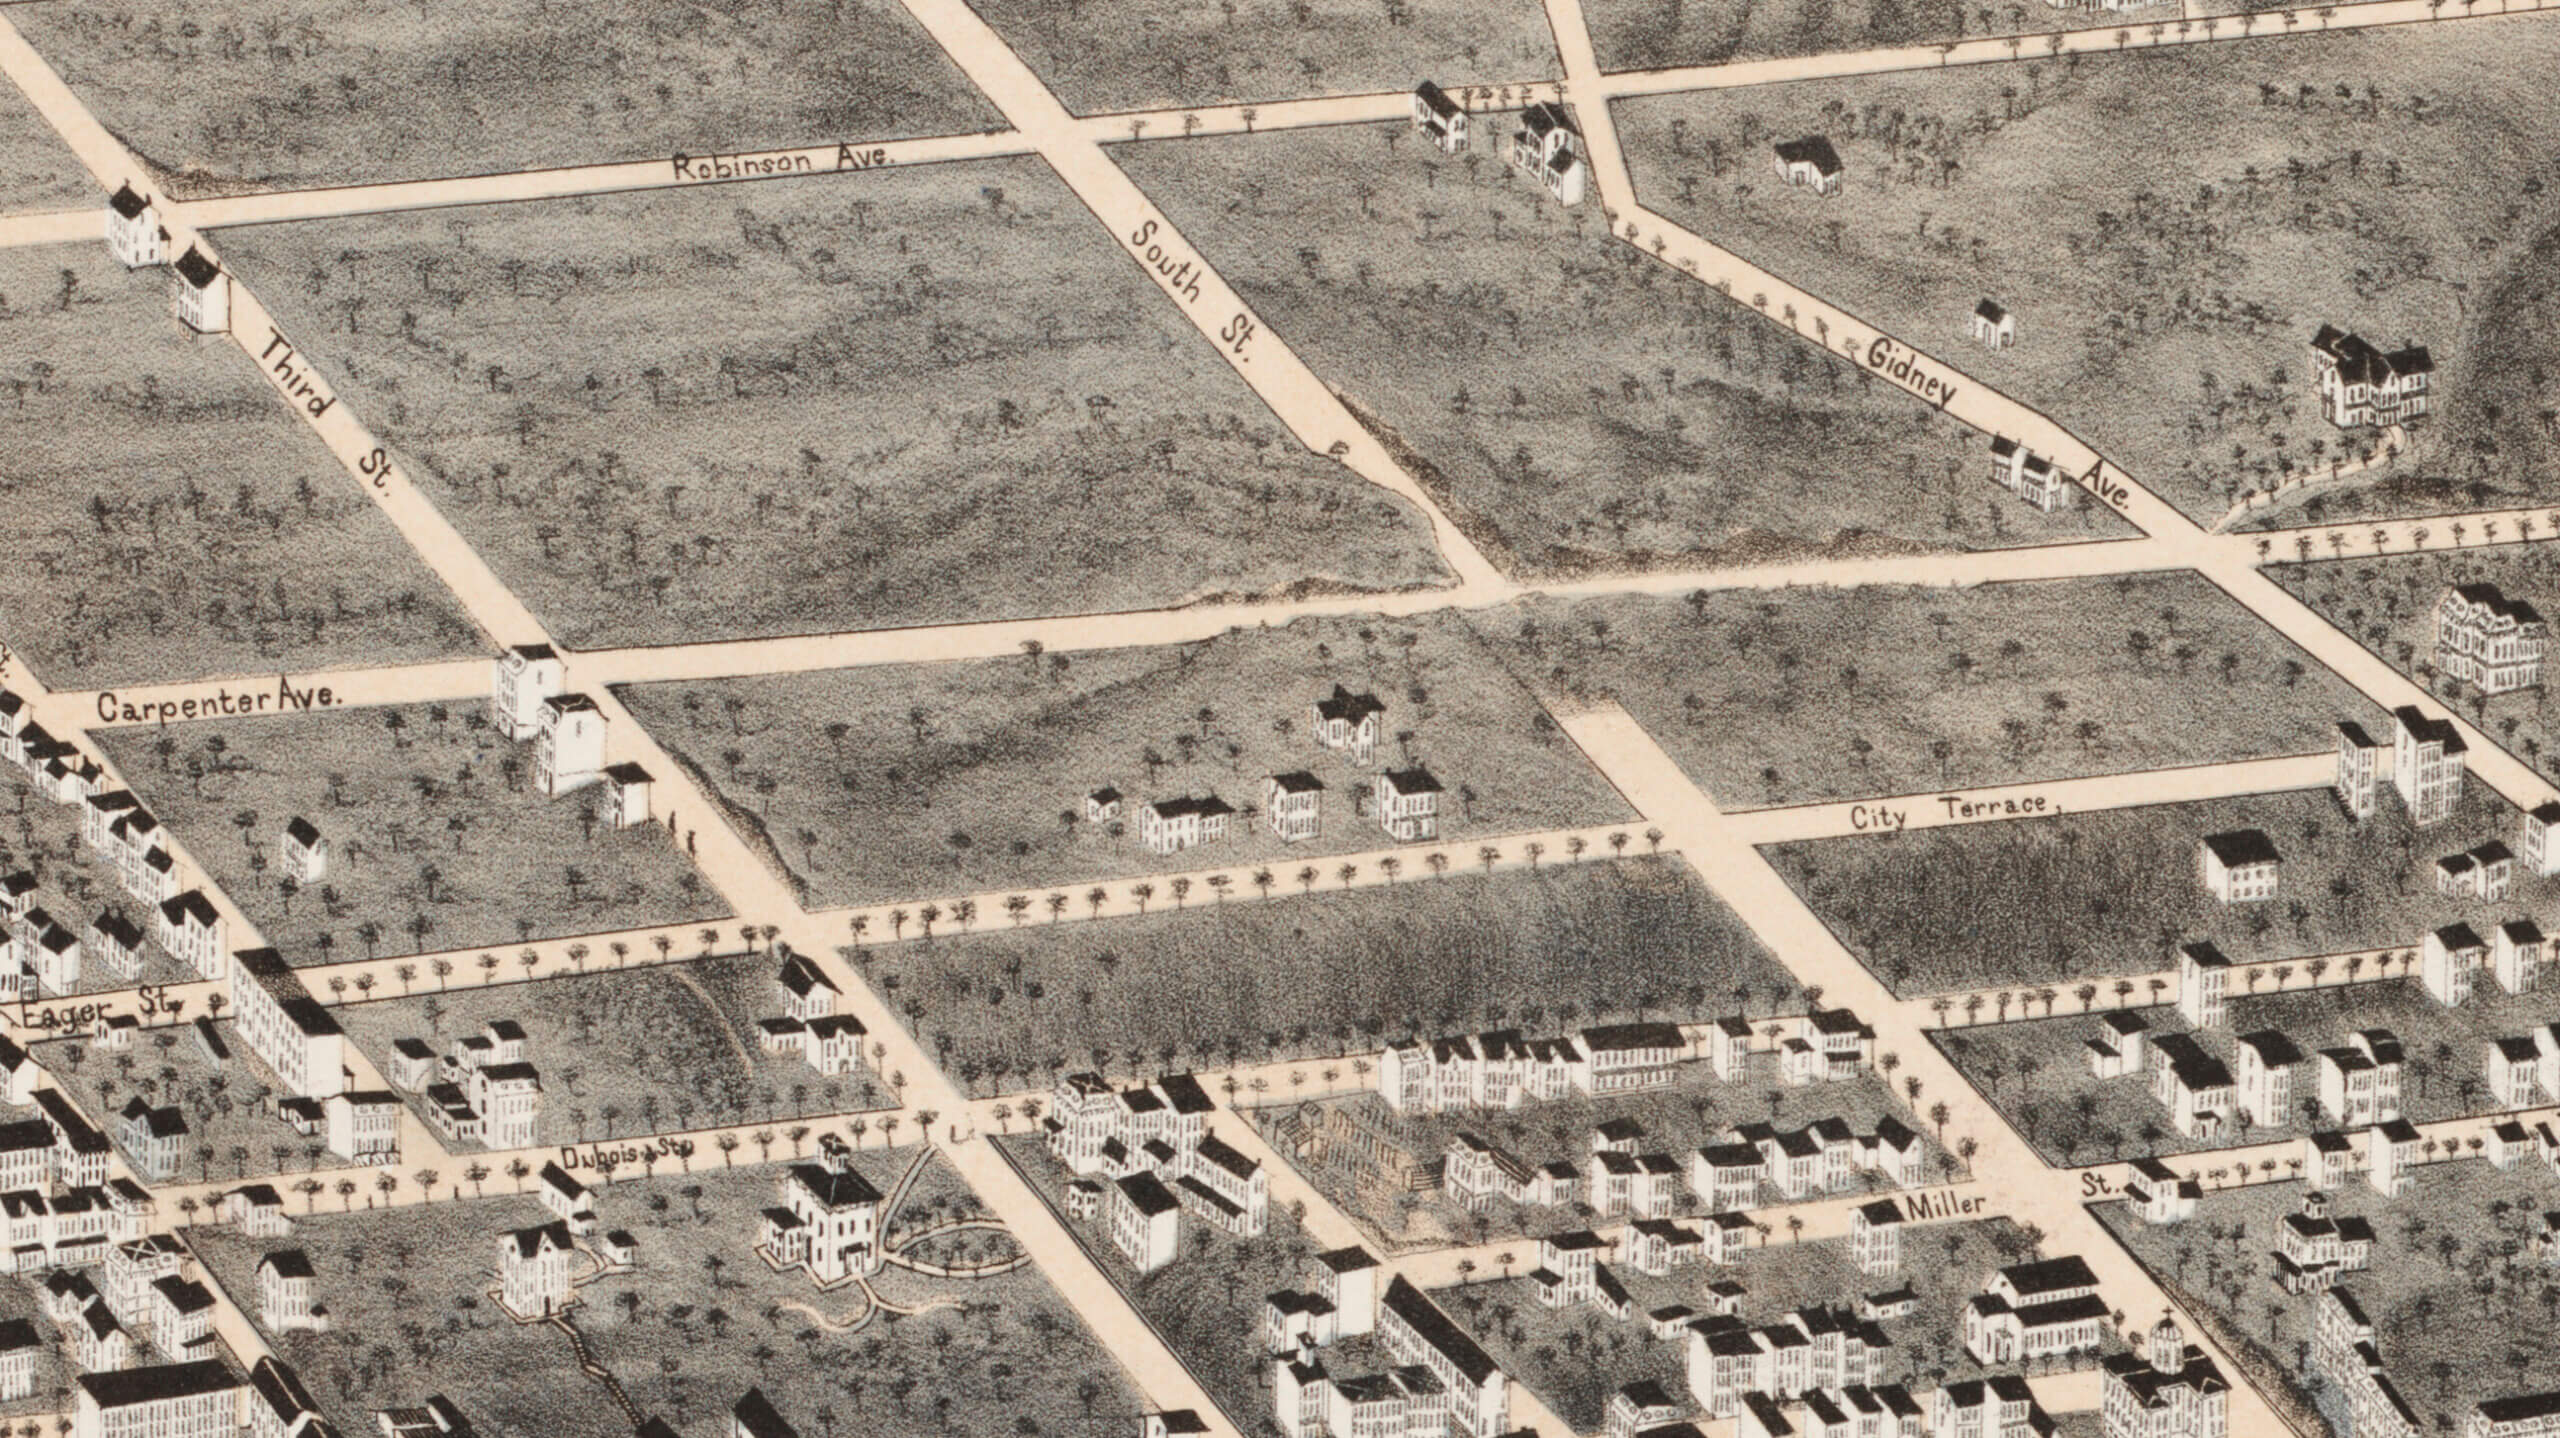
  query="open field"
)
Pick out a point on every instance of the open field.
point(2456, 1298)
point(1648, 34)
point(1572, 404)
point(2388, 605)
point(910, 780)
point(1327, 974)
point(1206, 1306)
point(1575, 1358)
point(37, 170)
point(1103, 55)
point(937, 395)
point(2038, 1071)
point(437, 841)
point(2058, 901)
point(1836, 694)
point(1678, 1121)
point(2346, 180)
point(323, 92)
point(169, 517)
point(692, 1326)
point(659, 1049)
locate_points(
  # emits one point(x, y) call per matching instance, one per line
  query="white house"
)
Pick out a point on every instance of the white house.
point(1145, 1221)
point(2240, 866)
point(1548, 148)
point(568, 744)
point(198, 1399)
point(2359, 777)
point(134, 233)
point(1440, 120)
point(1875, 1238)
point(190, 931)
point(1348, 723)
point(2515, 955)
point(2541, 848)
point(202, 294)
point(624, 801)
point(1809, 164)
point(1168, 826)
point(1290, 804)
point(2449, 960)
point(2360, 385)
point(301, 853)
point(2486, 638)
point(2512, 1067)
point(2427, 758)
point(830, 1218)
point(1992, 326)
point(1408, 804)
point(523, 678)
point(285, 1300)
point(533, 1269)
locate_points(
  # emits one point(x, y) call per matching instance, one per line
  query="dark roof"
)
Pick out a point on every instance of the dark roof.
point(833, 1187)
point(1347, 1260)
point(301, 831)
point(2272, 1048)
point(2205, 954)
point(197, 270)
point(2050, 1275)
point(125, 202)
point(124, 1387)
point(2360, 363)
point(1184, 1094)
point(800, 976)
point(282, 1390)
point(117, 928)
point(1147, 1194)
point(1613, 1037)
point(288, 1263)
point(190, 906)
point(2354, 734)
point(2521, 1406)
point(2429, 731)
point(1433, 1327)
point(2242, 846)
point(1349, 707)
point(1434, 99)
point(1814, 150)
point(1207, 806)
point(757, 1419)
point(1991, 311)
point(1881, 1213)
point(529, 1241)
point(1297, 781)
point(1416, 780)
point(626, 773)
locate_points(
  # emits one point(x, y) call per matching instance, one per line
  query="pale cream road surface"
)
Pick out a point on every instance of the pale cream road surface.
point(2033, 1192)
point(2393, 538)
point(262, 695)
point(2031, 799)
point(53, 227)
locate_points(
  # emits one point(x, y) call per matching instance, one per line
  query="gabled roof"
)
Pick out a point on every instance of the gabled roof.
point(125, 202)
point(1814, 150)
point(197, 270)
point(2241, 846)
point(1348, 707)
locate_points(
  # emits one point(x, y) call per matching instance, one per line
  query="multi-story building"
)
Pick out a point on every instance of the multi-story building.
point(201, 293)
point(1809, 163)
point(1292, 805)
point(285, 1298)
point(521, 679)
point(2314, 1249)
point(2193, 1085)
point(1875, 1238)
point(533, 1269)
point(1407, 802)
point(508, 1099)
point(1623, 1058)
point(2268, 1060)
point(2427, 758)
point(2360, 1081)
point(2528, 1415)
point(2035, 1310)
point(2204, 981)
point(1415, 1331)
point(190, 930)
point(1439, 119)
point(829, 1221)
point(2449, 960)
point(2159, 1195)
point(1168, 826)
point(1145, 1221)
point(135, 235)
point(2172, 1391)
point(302, 852)
point(2360, 385)
point(2541, 846)
point(154, 1138)
point(1548, 148)
point(2488, 639)
point(1996, 1407)
point(364, 1125)
point(2513, 1069)
point(2240, 866)
point(568, 744)
point(285, 1026)
point(1349, 723)
point(2117, 1050)
point(2359, 776)
point(2515, 955)
point(199, 1399)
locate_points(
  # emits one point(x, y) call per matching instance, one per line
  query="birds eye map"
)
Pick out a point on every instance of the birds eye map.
point(1279, 719)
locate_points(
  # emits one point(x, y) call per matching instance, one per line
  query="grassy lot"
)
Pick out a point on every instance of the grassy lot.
point(1574, 405)
point(20, 1298)
point(2038, 1071)
point(931, 395)
point(1834, 694)
point(681, 1040)
point(1206, 1305)
point(1575, 1358)
point(1648, 34)
point(1104, 55)
point(235, 1130)
point(2056, 901)
point(437, 841)
point(1678, 1121)
point(2389, 605)
point(168, 515)
point(2456, 1298)
point(2338, 180)
point(324, 92)
point(697, 1322)
point(912, 780)
point(38, 171)
point(1306, 977)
